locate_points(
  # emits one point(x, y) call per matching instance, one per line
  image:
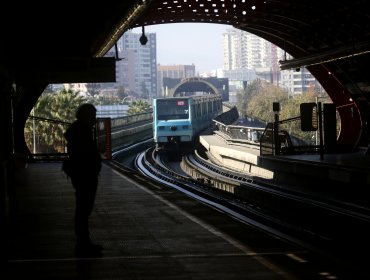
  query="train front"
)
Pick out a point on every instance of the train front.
point(172, 123)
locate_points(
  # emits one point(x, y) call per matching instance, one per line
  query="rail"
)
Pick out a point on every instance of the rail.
point(264, 137)
point(239, 134)
point(113, 134)
point(45, 136)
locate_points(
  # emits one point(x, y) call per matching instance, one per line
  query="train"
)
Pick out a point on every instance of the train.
point(178, 121)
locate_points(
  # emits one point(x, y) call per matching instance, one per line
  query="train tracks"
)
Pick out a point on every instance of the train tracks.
point(329, 227)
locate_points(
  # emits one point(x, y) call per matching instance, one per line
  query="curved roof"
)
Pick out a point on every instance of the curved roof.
point(194, 84)
point(330, 38)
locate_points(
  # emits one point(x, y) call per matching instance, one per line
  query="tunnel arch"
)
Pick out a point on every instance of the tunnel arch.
point(202, 83)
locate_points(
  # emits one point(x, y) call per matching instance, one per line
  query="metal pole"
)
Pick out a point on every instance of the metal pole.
point(276, 110)
point(320, 132)
point(108, 138)
point(34, 131)
point(316, 133)
point(276, 135)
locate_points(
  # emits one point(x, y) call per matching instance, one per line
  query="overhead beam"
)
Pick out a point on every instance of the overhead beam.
point(324, 57)
point(127, 21)
point(64, 70)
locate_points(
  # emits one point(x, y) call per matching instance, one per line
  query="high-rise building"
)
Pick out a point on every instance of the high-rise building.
point(173, 71)
point(243, 50)
point(299, 81)
point(138, 70)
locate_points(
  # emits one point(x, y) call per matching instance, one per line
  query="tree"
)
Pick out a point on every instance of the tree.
point(257, 99)
point(52, 107)
point(260, 100)
point(138, 106)
point(291, 109)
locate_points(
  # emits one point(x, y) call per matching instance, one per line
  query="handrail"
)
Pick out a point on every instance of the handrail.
point(49, 120)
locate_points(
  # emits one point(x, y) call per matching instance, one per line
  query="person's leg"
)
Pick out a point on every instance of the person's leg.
point(85, 198)
point(82, 213)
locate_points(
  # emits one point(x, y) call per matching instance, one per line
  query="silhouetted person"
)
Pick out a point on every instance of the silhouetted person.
point(86, 165)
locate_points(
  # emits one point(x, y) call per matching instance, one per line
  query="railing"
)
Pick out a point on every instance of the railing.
point(286, 143)
point(239, 134)
point(45, 137)
point(263, 138)
point(130, 119)
point(112, 134)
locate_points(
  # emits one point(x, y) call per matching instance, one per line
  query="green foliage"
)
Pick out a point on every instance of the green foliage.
point(138, 106)
point(257, 99)
point(60, 106)
point(291, 109)
point(260, 98)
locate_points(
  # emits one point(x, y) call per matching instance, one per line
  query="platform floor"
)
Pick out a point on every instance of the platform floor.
point(148, 231)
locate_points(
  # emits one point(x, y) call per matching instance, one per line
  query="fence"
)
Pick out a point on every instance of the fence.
point(113, 134)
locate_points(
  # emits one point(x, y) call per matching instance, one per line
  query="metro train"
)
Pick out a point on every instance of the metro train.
point(177, 121)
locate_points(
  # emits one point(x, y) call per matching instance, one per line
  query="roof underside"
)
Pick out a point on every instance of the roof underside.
point(333, 34)
point(313, 32)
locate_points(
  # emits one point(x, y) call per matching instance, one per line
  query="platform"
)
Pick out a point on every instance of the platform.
point(345, 168)
point(148, 231)
point(242, 158)
point(343, 178)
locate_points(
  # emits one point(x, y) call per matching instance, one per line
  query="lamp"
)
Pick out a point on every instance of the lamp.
point(143, 39)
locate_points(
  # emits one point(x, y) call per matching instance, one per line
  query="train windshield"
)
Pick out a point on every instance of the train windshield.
point(172, 109)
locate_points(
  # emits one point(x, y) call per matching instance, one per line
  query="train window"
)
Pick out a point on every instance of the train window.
point(170, 109)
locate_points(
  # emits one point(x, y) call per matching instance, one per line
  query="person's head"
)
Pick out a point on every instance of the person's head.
point(86, 114)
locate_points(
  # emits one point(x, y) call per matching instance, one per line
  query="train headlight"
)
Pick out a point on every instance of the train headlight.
point(173, 128)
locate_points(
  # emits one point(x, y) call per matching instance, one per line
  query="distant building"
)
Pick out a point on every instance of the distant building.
point(244, 51)
point(77, 87)
point(111, 111)
point(175, 72)
point(137, 69)
point(297, 82)
point(238, 79)
point(247, 57)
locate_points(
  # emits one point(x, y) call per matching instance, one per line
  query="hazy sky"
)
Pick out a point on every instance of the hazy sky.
point(187, 43)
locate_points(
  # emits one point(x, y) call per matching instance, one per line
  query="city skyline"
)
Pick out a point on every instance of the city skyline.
point(200, 44)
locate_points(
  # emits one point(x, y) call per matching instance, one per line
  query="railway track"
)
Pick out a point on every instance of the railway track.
point(331, 228)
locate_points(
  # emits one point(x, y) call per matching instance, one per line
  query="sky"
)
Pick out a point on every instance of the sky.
point(188, 43)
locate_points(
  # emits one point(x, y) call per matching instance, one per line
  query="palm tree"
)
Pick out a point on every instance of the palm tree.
point(52, 107)
point(138, 106)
